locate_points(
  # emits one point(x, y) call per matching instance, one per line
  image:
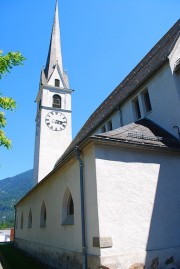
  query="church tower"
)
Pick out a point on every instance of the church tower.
point(53, 118)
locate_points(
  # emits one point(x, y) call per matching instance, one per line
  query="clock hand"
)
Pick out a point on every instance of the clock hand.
point(58, 122)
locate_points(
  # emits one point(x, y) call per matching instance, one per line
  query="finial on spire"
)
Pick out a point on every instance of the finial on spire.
point(54, 54)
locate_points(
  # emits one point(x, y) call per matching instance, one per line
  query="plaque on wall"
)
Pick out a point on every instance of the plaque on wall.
point(102, 242)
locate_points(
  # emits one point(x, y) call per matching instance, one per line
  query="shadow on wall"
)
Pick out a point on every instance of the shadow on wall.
point(163, 245)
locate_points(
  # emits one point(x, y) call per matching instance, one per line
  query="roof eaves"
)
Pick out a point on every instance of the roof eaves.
point(143, 144)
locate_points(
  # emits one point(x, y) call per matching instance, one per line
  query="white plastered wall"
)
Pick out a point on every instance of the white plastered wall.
point(90, 192)
point(55, 235)
point(138, 205)
point(52, 193)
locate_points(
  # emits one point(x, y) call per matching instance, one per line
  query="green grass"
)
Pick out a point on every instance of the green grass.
point(16, 259)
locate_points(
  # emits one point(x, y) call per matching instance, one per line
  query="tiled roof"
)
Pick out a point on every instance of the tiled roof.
point(143, 132)
point(156, 57)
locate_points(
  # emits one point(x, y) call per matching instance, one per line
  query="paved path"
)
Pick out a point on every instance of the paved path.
point(1, 266)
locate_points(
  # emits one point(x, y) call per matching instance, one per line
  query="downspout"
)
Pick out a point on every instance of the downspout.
point(83, 231)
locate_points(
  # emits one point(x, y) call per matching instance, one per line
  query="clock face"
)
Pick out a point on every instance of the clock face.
point(56, 121)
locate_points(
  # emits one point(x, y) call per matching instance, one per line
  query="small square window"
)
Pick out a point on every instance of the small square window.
point(146, 101)
point(137, 110)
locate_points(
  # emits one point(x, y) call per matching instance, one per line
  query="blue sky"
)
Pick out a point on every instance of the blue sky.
point(102, 40)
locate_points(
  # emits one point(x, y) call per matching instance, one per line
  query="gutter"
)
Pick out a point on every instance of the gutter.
point(77, 153)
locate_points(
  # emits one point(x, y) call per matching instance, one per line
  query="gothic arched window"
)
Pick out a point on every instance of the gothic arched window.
point(67, 209)
point(43, 215)
point(57, 82)
point(30, 219)
point(70, 207)
point(56, 101)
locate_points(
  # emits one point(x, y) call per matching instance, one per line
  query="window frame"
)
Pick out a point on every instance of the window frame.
point(57, 83)
point(109, 125)
point(146, 101)
point(136, 108)
point(67, 208)
point(54, 99)
point(103, 129)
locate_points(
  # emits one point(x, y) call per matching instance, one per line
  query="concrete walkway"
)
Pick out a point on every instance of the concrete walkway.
point(1, 266)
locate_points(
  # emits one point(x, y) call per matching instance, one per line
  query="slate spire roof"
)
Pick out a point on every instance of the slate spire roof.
point(54, 54)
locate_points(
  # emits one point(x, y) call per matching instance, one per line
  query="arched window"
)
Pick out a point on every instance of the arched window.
point(30, 219)
point(22, 220)
point(56, 101)
point(67, 209)
point(57, 82)
point(70, 207)
point(43, 215)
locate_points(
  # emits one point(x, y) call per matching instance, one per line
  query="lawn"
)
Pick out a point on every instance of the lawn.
point(13, 258)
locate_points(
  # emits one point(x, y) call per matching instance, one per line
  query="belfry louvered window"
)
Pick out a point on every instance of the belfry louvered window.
point(56, 101)
point(57, 83)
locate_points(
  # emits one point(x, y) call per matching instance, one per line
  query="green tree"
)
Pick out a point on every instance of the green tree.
point(6, 103)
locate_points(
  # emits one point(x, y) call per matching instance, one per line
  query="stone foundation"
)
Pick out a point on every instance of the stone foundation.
point(65, 259)
point(57, 258)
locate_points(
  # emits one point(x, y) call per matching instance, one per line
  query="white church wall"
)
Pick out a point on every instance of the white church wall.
point(90, 192)
point(52, 193)
point(56, 241)
point(138, 205)
point(52, 240)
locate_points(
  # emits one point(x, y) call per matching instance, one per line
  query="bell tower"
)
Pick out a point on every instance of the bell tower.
point(53, 118)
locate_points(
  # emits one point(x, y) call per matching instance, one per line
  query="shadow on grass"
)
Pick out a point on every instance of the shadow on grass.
point(13, 258)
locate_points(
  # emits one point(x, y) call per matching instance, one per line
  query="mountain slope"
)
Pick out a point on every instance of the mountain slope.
point(11, 190)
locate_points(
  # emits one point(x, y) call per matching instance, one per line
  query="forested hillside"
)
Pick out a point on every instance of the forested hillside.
point(11, 190)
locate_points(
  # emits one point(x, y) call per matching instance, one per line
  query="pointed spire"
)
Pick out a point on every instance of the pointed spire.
point(54, 54)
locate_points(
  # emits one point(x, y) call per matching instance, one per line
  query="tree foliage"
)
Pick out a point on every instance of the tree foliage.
point(6, 103)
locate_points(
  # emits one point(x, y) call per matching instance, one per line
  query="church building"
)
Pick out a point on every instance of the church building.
point(109, 198)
